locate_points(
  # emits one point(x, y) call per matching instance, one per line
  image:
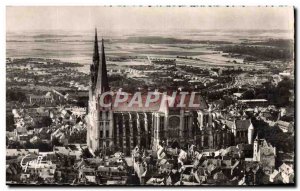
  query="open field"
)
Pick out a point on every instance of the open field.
point(77, 47)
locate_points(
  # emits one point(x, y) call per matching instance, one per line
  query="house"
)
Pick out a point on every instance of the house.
point(287, 173)
point(254, 102)
point(44, 169)
point(69, 150)
point(200, 175)
point(61, 135)
point(78, 111)
point(275, 177)
point(173, 177)
point(41, 99)
point(247, 150)
point(286, 127)
point(220, 177)
point(242, 130)
point(21, 152)
point(87, 175)
point(112, 170)
point(24, 177)
point(139, 168)
point(65, 114)
point(265, 154)
point(155, 181)
point(238, 95)
point(115, 182)
point(34, 139)
point(254, 173)
point(47, 173)
point(186, 183)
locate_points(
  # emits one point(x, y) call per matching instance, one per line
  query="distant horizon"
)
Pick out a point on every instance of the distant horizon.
point(178, 29)
point(158, 19)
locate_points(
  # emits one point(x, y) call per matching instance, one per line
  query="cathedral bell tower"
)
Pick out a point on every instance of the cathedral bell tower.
point(100, 120)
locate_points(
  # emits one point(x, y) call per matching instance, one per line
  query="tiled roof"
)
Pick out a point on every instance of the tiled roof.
point(242, 124)
point(229, 123)
point(283, 123)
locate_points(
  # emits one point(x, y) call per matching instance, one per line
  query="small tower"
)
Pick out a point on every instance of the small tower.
point(200, 119)
point(255, 149)
point(250, 133)
point(234, 128)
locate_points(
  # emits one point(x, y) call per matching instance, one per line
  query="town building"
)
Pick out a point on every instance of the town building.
point(285, 126)
point(41, 99)
point(264, 153)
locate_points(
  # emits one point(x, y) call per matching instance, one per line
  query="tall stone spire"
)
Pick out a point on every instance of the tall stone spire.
point(95, 66)
point(102, 80)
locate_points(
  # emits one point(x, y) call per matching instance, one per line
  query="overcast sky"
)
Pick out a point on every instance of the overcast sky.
point(147, 18)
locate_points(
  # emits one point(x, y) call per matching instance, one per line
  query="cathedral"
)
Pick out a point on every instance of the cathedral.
point(123, 128)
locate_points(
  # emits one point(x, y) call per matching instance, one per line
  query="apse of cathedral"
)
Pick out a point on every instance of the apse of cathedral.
point(123, 128)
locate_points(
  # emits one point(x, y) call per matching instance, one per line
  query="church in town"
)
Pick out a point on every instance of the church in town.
point(123, 128)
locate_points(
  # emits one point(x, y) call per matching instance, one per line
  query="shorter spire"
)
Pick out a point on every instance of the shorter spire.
point(96, 49)
point(102, 79)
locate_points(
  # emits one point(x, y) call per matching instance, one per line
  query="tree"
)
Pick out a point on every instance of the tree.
point(13, 95)
point(282, 141)
point(250, 94)
point(86, 154)
point(10, 123)
point(282, 93)
point(97, 152)
point(55, 142)
point(28, 145)
point(82, 102)
point(43, 147)
point(13, 145)
point(46, 121)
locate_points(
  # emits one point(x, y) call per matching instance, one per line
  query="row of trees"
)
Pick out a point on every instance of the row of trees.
point(282, 141)
point(14, 95)
point(277, 95)
point(259, 52)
